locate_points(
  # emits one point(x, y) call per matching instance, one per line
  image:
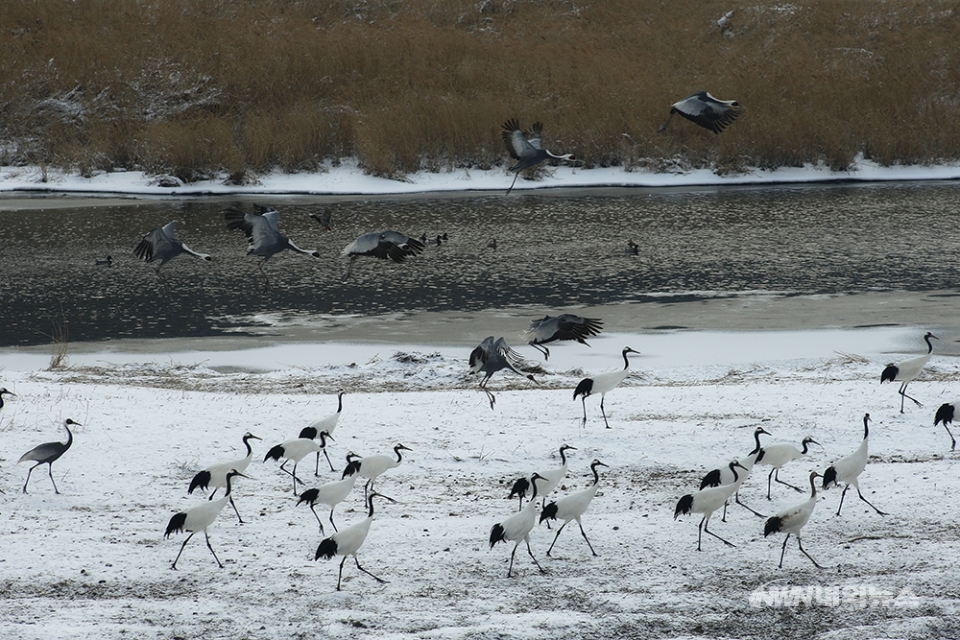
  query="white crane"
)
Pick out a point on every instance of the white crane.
point(328, 424)
point(347, 542)
point(906, 371)
point(791, 521)
point(330, 494)
point(199, 518)
point(706, 501)
point(945, 415)
point(551, 479)
point(780, 453)
point(526, 147)
point(602, 383)
point(724, 476)
point(566, 326)
point(216, 475)
point(571, 507)
point(491, 356)
point(162, 244)
point(371, 467)
point(847, 470)
point(384, 245)
point(518, 527)
point(296, 450)
point(48, 453)
point(705, 110)
point(263, 234)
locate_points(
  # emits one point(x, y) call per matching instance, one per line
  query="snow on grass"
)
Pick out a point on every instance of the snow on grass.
point(92, 562)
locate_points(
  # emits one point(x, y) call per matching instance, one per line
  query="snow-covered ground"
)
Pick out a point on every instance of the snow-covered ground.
point(348, 179)
point(92, 562)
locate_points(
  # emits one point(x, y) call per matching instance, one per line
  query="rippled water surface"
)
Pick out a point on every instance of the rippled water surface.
point(552, 250)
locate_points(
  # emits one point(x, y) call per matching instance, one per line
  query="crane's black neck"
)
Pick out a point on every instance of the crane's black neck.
point(340, 402)
point(866, 428)
point(756, 438)
point(228, 481)
point(929, 344)
point(563, 454)
point(626, 362)
point(246, 442)
point(813, 484)
point(596, 474)
point(533, 481)
point(323, 439)
point(370, 513)
point(69, 437)
point(806, 443)
point(397, 449)
point(733, 468)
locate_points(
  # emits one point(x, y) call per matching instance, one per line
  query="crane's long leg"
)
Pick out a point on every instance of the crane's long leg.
point(953, 441)
point(842, 495)
point(584, 534)
point(756, 513)
point(331, 521)
point(318, 520)
point(50, 472)
point(212, 494)
point(283, 467)
point(266, 282)
point(512, 556)
point(783, 550)
point(327, 456)
point(490, 396)
point(664, 127)
point(776, 477)
point(530, 551)
point(235, 510)
point(29, 471)
point(515, 176)
point(174, 565)
point(556, 536)
point(868, 502)
point(804, 551)
point(340, 575)
point(380, 580)
point(602, 398)
point(583, 400)
point(903, 394)
point(542, 349)
point(316, 469)
point(704, 522)
point(211, 549)
point(723, 518)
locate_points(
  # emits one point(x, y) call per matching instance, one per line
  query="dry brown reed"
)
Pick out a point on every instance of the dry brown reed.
point(196, 87)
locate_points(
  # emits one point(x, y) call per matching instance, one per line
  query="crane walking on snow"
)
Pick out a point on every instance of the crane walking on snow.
point(199, 518)
point(847, 470)
point(571, 507)
point(602, 383)
point(216, 475)
point(791, 521)
point(906, 371)
point(347, 542)
point(48, 453)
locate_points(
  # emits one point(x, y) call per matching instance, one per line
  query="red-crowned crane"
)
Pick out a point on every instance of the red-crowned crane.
point(491, 356)
point(791, 521)
point(945, 415)
point(48, 453)
point(571, 507)
point(906, 371)
point(706, 501)
point(602, 383)
point(162, 244)
point(780, 453)
point(517, 528)
point(526, 147)
point(384, 245)
point(347, 542)
point(199, 518)
point(328, 424)
point(566, 326)
point(371, 467)
point(705, 110)
point(296, 450)
point(551, 479)
point(847, 470)
point(216, 475)
point(330, 494)
point(263, 234)
point(724, 476)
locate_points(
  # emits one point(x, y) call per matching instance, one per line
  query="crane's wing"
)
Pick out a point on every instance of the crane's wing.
point(709, 114)
point(516, 141)
point(513, 358)
point(403, 245)
point(273, 219)
point(257, 228)
point(481, 353)
point(563, 327)
point(157, 242)
point(534, 135)
point(376, 246)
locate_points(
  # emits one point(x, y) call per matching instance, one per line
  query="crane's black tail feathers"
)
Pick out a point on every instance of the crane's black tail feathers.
point(496, 534)
point(944, 414)
point(352, 468)
point(310, 495)
point(327, 549)
point(275, 453)
point(829, 477)
point(712, 479)
point(549, 511)
point(176, 524)
point(584, 388)
point(773, 525)
point(889, 373)
point(520, 488)
point(200, 481)
point(683, 506)
point(310, 433)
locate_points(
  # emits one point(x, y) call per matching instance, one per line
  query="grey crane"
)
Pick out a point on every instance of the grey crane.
point(566, 326)
point(491, 356)
point(526, 147)
point(705, 110)
point(263, 233)
point(48, 453)
point(384, 245)
point(162, 244)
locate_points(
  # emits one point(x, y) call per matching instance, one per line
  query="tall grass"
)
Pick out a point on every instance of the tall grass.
point(195, 87)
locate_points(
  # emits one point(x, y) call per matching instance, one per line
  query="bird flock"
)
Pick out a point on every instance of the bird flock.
point(532, 489)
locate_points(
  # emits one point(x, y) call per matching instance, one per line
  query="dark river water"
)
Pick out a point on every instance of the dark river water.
point(552, 250)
